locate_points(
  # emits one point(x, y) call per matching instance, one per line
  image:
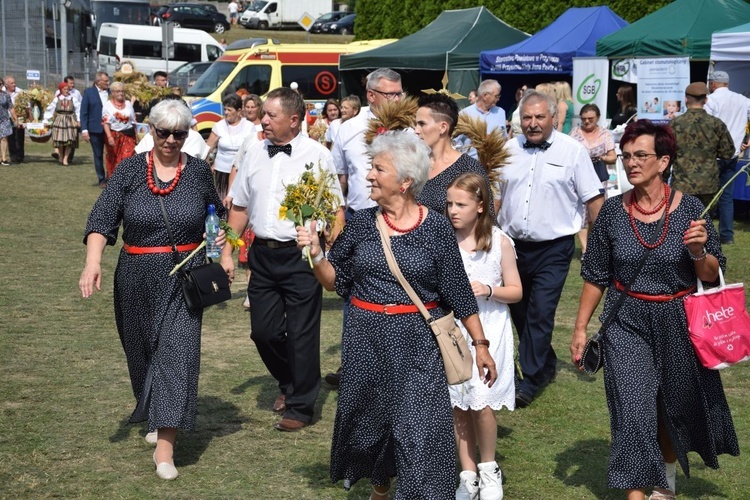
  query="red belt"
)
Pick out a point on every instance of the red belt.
point(655, 298)
point(133, 250)
point(390, 308)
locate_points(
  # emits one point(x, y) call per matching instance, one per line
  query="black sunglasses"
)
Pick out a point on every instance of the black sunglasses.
point(163, 133)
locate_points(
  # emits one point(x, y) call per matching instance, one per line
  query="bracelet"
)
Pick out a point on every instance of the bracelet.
point(483, 342)
point(491, 292)
point(319, 257)
point(696, 258)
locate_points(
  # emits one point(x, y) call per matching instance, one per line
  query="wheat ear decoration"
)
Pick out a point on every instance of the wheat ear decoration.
point(393, 115)
point(491, 152)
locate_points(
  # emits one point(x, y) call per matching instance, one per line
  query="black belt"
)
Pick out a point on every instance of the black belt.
point(274, 243)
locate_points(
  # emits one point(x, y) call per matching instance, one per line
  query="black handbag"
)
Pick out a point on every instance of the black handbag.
point(204, 285)
point(592, 357)
point(601, 170)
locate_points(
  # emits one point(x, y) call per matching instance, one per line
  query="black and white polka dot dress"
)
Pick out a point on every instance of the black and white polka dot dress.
point(649, 362)
point(394, 413)
point(434, 192)
point(152, 318)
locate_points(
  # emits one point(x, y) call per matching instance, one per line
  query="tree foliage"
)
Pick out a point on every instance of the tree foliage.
point(399, 18)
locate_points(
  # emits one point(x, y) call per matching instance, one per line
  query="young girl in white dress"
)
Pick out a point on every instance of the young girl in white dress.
point(490, 261)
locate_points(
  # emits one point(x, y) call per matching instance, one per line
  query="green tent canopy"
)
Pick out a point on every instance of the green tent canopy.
point(683, 27)
point(451, 43)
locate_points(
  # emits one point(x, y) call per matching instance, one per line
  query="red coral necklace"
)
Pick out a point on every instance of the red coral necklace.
point(404, 231)
point(663, 203)
point(150, 177)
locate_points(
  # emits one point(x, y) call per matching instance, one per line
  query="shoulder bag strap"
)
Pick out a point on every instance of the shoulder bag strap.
point(639, 267)
point(175, 254)
point(393, 266)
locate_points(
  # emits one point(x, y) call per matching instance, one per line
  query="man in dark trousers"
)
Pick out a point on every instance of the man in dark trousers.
point(546, 186)
point(285, 297)
point(92, 129)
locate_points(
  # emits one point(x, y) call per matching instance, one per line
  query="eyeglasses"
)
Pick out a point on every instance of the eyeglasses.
point(391, 96)
point(163, 133)
point(639, 156)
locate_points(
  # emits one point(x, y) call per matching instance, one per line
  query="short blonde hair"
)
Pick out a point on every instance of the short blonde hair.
point(117, 86)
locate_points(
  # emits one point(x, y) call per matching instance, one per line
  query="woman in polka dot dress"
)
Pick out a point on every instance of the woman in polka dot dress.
point(662, 402)
point(490, 262)
point(394, 414)
point(153, 320)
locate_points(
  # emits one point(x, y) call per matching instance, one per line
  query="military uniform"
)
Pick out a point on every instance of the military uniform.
point(701, 139)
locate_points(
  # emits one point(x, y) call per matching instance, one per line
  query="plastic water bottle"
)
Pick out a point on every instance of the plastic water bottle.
point(213, 251)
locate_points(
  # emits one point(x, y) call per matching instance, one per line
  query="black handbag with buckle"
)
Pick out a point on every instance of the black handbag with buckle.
point(204, 285)
point(592, 357)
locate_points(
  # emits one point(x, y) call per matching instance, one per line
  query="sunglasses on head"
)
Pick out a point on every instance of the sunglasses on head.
point(163, 133)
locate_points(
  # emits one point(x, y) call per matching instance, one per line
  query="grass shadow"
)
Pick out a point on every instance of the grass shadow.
point(267, 394)
point(585, 464)
point(334, 303)
point(216, 418)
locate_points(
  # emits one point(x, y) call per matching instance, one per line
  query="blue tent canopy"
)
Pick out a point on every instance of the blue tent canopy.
point(573, 34)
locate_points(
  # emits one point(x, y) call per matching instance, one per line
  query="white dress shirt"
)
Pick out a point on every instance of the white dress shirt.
point(731, 108)
point(543, 192)
point(333, 130)
point(260, 184)
point(194, 145)
point(351, 159)
point(244, 148)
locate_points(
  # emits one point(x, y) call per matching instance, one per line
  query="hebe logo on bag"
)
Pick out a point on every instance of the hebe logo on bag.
point(710, 318)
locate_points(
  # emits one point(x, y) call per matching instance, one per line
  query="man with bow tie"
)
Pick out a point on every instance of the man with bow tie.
point(547, 184)
point(285, 298)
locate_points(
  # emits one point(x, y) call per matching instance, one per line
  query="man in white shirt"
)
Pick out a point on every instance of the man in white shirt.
point(546, 186)
point(17, 138)
point(233, 7)
point(92, 129)
point(734, 110)
point(285, 297)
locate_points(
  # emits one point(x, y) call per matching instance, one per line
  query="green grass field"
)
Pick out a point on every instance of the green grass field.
point(65, 394)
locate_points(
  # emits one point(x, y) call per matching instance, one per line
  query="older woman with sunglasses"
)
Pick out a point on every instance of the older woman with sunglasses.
point(159, 334)
point(662, 402)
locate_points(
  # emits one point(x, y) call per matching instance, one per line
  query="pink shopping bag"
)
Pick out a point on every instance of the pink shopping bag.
point(719, 324)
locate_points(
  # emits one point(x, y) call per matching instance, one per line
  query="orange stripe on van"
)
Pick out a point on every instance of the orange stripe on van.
point(226, 57)
point(308, 58)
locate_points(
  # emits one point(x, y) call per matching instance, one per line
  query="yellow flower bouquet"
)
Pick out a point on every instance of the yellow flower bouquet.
point(311, 198)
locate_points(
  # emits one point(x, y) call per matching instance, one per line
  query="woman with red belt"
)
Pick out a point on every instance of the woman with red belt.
point(157, 330)
point(662, 402)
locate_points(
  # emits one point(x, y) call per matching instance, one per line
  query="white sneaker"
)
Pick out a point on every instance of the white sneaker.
point(490, 481)
point(468, 486)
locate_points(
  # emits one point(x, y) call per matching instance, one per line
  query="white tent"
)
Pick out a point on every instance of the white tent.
point(729, 52)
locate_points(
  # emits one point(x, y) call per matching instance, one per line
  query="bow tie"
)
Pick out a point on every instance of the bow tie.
point(543, 146)
point(274, 150)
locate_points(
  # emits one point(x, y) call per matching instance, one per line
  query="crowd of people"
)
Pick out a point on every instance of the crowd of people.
point(495, 254)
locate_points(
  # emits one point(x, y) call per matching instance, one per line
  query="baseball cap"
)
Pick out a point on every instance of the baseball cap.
point(719, 77)
point(697, 90)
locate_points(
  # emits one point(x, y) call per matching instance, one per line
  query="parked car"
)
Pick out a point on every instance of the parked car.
point(197, 16)
point(186, 75)
point(317, 26)
point(344, 26)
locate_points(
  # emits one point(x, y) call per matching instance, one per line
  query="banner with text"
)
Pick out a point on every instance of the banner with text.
point(590, 84)
point(661, 87)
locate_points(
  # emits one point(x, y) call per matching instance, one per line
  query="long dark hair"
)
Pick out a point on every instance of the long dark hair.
point(476, 186)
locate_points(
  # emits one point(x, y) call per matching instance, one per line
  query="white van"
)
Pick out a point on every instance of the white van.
point(141, 45)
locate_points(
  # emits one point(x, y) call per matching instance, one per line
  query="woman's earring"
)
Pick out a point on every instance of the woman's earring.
point(402, 189)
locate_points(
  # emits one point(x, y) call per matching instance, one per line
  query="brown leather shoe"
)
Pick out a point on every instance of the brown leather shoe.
point(279, 406)
point(289, 425)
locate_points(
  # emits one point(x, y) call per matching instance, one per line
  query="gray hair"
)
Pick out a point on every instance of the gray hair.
point(171, 114)
point(536, 96)
point(116, 86)
point(100, 75)
point(382, 73)
point(409, 154)
point(488, 86)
